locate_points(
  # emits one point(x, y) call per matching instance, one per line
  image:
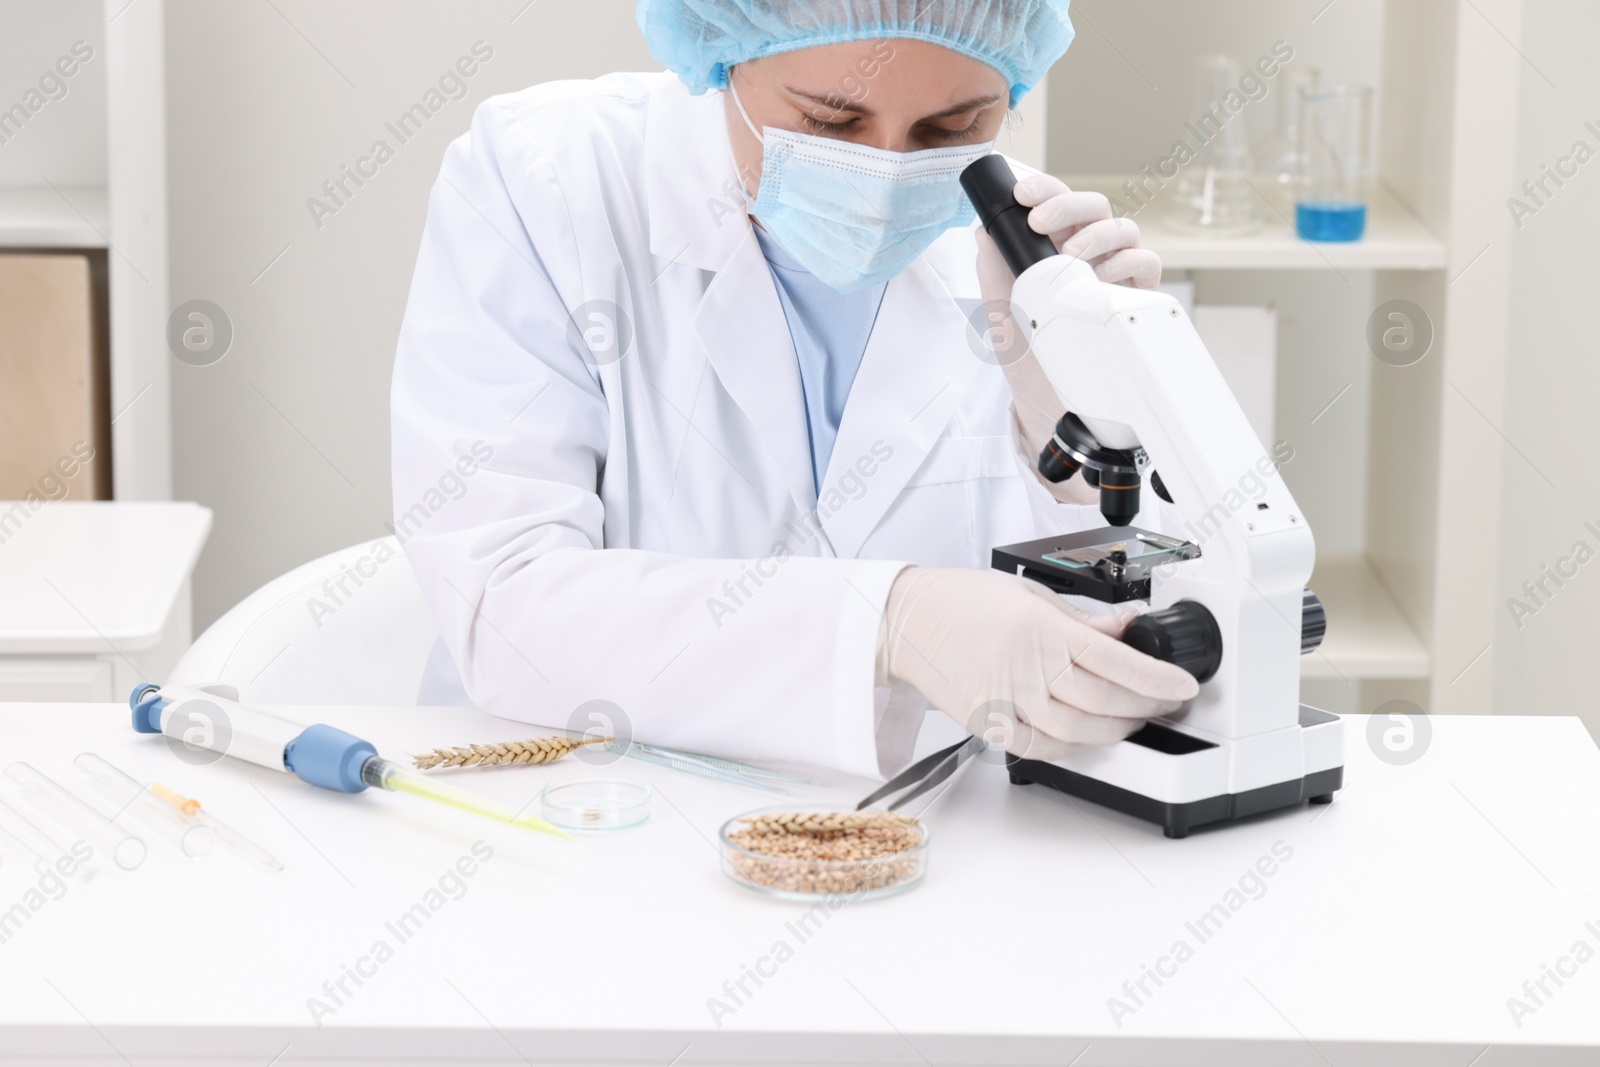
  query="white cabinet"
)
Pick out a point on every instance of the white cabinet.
point(94, 597)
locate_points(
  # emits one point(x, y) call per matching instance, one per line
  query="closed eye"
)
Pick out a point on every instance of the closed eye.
point(831, 129)
point(940, 133)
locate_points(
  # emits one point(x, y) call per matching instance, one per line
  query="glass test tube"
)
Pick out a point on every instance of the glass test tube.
point(182, 831)
point(72, 814)
point(39, 846)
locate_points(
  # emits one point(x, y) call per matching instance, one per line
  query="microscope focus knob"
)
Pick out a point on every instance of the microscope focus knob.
point(1313, 622)
point(1185, 634)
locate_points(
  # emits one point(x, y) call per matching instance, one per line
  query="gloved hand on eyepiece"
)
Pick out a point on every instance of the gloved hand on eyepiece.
point(981, 643)
point(1080, 224)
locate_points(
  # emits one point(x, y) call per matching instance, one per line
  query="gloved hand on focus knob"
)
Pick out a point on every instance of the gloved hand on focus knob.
point(977, 643)
point(1081, 225)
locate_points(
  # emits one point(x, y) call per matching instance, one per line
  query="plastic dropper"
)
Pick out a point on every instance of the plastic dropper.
point(124, 794)
point(225, 834)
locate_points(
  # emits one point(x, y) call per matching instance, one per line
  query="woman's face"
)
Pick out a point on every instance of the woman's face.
point(898, 95)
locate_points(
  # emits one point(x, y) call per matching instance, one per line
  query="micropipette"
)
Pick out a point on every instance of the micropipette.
point(224, 833)
point(213, 719)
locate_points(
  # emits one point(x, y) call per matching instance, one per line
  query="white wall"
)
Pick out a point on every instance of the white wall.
point(287, 437)
point(1549, 665)
point(65, 142)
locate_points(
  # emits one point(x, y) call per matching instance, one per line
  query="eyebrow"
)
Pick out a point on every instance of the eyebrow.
point(837, 104)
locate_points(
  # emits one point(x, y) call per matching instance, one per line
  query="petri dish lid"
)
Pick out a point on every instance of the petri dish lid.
point(596, 804)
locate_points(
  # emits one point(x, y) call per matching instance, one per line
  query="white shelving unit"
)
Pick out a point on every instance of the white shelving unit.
point(64, 217)
point(122, 214)
point(1395, 240)
point(1410, 611)
point(1372, 638)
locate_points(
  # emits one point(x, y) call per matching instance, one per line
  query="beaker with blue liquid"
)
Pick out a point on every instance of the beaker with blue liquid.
point(1333, 206)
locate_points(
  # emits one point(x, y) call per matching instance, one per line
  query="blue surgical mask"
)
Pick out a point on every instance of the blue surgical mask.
point(856, 216)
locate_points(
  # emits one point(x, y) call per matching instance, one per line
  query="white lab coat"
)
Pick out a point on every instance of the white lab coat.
point(637, 529)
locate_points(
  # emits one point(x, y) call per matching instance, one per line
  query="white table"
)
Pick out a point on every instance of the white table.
point(1409, 911)
point(94, 596)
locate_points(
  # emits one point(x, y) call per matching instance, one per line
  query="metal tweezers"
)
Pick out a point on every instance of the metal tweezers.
point(926, 773)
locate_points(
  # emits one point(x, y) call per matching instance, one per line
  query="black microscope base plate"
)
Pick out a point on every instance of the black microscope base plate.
point(1176, 820)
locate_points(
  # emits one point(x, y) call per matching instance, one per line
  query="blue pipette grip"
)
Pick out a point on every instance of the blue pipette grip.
point(327, 756)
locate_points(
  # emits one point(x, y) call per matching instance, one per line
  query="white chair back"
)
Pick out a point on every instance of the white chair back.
point(349, 628)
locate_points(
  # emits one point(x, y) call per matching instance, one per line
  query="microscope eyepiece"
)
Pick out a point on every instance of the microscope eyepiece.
point(991, 186)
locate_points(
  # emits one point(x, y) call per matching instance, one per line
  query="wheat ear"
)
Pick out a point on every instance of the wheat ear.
point(507, 753)
point(826, 823)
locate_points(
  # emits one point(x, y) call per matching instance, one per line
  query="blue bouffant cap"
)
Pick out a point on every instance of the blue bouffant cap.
point(700, 40)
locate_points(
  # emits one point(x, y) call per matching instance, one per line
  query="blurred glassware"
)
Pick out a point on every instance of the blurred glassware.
point(1213, 195)
point(1334, 206)
point(1283, 157)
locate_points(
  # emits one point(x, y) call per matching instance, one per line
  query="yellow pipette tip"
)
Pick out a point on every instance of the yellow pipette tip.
point(394, 778)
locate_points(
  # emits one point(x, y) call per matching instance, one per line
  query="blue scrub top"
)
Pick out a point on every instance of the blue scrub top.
point(830, 331)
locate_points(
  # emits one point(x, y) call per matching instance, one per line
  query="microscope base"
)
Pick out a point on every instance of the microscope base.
point(1177, 818)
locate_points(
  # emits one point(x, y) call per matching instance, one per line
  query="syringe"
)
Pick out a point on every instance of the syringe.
point(214, 720)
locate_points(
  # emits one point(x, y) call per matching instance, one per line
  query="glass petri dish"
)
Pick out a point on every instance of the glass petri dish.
point(597, 804)
point(801, 878)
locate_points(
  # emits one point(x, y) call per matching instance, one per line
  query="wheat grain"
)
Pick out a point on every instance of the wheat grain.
point(818, 853)
point(504, 753)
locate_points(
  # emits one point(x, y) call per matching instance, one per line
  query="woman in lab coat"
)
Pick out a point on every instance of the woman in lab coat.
point(691, 428)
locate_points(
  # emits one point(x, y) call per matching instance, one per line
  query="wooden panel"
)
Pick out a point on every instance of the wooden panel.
point(48, 426)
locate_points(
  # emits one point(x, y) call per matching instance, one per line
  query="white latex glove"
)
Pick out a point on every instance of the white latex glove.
point(981, 643)
point(1081, 225)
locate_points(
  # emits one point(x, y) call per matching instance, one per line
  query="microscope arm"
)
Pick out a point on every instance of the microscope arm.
point(1130, 365)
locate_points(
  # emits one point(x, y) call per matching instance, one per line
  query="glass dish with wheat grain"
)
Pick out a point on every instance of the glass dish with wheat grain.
point(805, 852)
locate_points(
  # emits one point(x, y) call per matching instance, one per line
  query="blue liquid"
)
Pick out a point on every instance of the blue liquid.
point(1330, 221)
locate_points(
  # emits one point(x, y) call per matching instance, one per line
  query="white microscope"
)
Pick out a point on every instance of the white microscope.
point(1146, 405)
